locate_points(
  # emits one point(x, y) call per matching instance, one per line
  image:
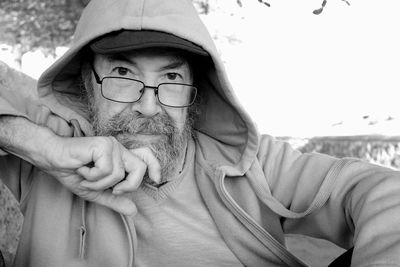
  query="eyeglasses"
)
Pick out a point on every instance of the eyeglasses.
point(127, 90)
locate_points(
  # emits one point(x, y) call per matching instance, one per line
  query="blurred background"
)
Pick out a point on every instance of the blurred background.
point(323, 75)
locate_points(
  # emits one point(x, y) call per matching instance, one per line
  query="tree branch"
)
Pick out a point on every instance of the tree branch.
point(319, 10)
point(239, 2)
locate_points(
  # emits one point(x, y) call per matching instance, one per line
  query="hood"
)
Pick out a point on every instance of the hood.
point(226, 136)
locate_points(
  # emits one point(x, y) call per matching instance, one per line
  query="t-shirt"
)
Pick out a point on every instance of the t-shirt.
point(174, 227)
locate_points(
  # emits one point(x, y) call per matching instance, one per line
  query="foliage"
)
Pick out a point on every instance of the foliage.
point(10, 224)
point(239, 2)
point(33, 24)
point(319, 10)
point(375, 149)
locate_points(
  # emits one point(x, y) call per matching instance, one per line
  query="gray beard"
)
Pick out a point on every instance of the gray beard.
point(169, 150)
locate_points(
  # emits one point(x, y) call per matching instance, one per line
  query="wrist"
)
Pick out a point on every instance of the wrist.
point(42, 150)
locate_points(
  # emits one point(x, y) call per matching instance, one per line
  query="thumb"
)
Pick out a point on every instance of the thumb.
point(153, 165)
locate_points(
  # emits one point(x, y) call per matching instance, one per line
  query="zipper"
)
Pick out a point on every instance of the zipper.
point(277, 248)
point(82, 231)
point(83, 235)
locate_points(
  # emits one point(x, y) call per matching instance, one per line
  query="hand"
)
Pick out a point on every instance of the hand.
point(90, 166)
point(153, 168)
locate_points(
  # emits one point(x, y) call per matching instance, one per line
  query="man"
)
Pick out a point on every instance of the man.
point(163, 167)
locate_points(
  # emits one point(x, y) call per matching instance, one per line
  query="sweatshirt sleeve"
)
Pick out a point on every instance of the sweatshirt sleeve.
point(17, 92)
point(18, 97)
point(355, 204)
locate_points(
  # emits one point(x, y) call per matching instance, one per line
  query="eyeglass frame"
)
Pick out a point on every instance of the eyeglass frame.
point(155, 88)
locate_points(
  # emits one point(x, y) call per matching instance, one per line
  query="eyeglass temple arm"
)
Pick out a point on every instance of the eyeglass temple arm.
point(96, 76)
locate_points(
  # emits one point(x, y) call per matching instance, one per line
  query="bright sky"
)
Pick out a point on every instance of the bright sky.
point(298, 73)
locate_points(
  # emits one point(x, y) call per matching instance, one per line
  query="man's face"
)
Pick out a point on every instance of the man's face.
point(146, 122)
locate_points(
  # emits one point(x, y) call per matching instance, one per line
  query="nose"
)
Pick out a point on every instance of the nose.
point(148, 105)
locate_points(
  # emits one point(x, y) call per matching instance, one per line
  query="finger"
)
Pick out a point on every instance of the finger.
point(102, 158)
point(135, 169)
point(118, 172)
point(118, 203)
point(153, 165)
point(131, 182)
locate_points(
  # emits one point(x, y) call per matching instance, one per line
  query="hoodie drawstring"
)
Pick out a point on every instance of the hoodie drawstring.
point(82, 229)
point(264, 194)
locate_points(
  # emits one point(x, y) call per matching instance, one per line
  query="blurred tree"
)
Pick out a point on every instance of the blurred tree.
point(31, 24)
point(202, 6)
point(46, 24)
point(319, 10)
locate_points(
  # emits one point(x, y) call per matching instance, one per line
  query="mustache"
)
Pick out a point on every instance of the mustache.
point(137, 124)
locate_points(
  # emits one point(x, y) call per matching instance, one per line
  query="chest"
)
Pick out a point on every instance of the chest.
point(174, 227)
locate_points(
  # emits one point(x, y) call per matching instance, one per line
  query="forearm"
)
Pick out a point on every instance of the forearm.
point(23, 138)
point(374, 207)
point(69, 161)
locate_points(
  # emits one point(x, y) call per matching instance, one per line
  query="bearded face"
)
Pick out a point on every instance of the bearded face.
point(145, 123)
point(169, 148)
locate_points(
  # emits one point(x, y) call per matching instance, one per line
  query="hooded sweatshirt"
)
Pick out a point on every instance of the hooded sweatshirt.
point(256, 188)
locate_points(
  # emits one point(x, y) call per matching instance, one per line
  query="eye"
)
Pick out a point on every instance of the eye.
point(173, 76)
point(121, 71)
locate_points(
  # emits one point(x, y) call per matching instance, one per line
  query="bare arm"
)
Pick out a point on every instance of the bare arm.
point(23, 138)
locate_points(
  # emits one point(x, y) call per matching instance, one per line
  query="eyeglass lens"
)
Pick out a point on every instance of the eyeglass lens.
point(128, 90)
